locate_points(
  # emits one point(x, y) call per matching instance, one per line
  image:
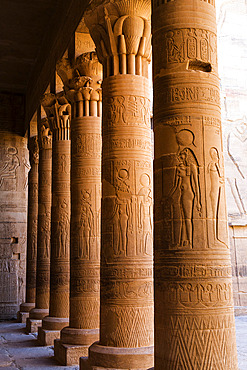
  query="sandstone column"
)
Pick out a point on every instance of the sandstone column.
point(121, 31)
point(58, 113)
point(32, 228)
point(83, 88)
point(194, 320)
point(44, 220)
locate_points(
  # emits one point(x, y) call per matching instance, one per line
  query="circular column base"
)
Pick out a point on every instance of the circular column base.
point(26, 307)
point(54, 323)
point(79, 336)
point(121, 358)
point(38, 313)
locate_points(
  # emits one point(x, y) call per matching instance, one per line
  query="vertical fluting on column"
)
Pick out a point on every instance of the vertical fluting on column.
point(44, 222)
point(82, 84)
point(32, 225)
point(121, 31)
point(58, 113)
point(194, 318)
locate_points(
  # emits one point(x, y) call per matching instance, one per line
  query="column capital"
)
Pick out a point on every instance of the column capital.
point(58, 112)
point(44, 134)
point(33, 147)
point(82, 79)
point(122, 35)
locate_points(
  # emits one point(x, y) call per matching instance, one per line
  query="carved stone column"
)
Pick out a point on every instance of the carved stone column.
point(44, 221)
point(82, 84)
point(32, 229)
point(121, 31)
point(58, 113)
point(194, 319)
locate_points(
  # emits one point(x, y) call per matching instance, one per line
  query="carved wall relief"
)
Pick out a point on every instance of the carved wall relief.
point(13, 225)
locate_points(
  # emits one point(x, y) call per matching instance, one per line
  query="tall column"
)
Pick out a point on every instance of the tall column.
point(58, 113)
point(32, 230)
point(194, 318)
point(44, 223)
point(83, 86)
point(121, 31)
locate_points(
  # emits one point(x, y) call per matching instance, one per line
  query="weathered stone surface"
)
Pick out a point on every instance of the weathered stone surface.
point(68, 354)
point(121, 32)
point(32, 325)
point(44, 222)
point(82, 83)
point(14, 167)
point(58, 113)
point(32, 228)
point(193, 288)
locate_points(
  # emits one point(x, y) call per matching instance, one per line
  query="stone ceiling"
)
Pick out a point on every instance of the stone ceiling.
point(33, 36)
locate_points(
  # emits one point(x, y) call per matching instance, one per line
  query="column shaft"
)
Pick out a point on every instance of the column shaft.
point(194, 318)
point(44, 225)
point(60, 219)
point(32, 227)
point(126, 294)
point(83, 92)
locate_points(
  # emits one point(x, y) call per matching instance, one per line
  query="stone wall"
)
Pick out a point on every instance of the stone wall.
point(14, 167)
point(232, 54)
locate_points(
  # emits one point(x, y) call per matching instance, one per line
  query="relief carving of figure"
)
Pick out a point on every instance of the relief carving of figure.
point(8, 171)
point(186, 181)
point(86, 225)
point(62, 231)
point(217, 181)
point(33, 238)
point(145, 203)
point(122, 215)
point(45, 228)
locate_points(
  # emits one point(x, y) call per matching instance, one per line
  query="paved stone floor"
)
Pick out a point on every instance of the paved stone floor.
point(20, 351)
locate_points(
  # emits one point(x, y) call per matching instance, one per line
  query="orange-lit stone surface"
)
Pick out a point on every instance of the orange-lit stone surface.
point(44, 222)
point(121, 32)
point(58, 113)
point(83, 88)
point(194, 318)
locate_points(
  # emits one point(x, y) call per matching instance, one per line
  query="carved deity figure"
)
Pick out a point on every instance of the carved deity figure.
point(45, 228)
point(122, 212)
point(145, 214)
point(86, 225)
point(8, 171)
point(217, 181)
point(62, 233)
point(186, 181)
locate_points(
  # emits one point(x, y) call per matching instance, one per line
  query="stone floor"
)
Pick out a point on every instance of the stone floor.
point(20, 351)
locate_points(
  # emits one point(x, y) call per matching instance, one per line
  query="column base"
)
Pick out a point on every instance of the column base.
point(22, 316)
point(47, 337)
point(32, 325)
point(26, 307)
point(54, 323)
point(38, 313)
point(82, 337)
point(69, 354)
point(101, 357)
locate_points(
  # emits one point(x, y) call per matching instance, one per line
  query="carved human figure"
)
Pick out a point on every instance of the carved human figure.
point(145, 203)
point(8, 171)
point(86, 225)
point(122, 212)
point(62, 232)
point(217, 181)
point(46, 236)
point(186, 180)
point(33, 237)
